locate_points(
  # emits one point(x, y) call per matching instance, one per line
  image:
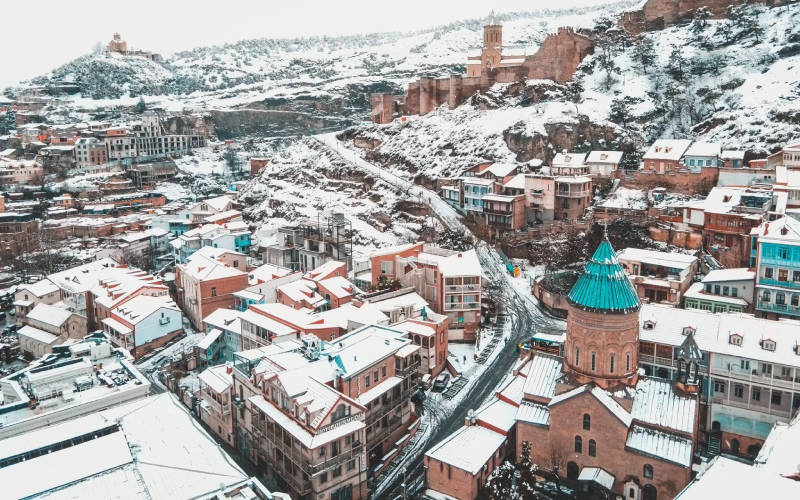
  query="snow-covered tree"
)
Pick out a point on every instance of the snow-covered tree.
point(141, 106)
point(645, 53)
point(700, 21)
point(620, 112)
point(676, 66)
point(574, 92)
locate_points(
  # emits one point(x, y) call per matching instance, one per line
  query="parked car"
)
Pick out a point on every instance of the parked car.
point(441, 382)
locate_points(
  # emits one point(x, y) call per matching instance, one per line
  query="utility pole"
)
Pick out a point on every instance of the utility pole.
point(403, 486)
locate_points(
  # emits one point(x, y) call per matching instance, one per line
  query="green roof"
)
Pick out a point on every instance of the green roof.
point(604, 286)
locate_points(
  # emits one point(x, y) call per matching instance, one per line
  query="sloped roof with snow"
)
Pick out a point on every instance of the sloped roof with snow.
point(533, 413)
point(542, 375)
point(661, 445)
point(611, 157)
point(656, 258)
point(739, 274)
point(569, 159)
point(468, 449)
point(49, 315)
point(664, 149)
point(657, 402)
point(203, 269)
point(703, 149)
point(498, 414)
point(500, 169)
point(217, 378)
point(40, 288)
point(772, 232)
point(143, 306)
point(513, 390)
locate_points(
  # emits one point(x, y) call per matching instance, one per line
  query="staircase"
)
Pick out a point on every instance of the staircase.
point(714, 444)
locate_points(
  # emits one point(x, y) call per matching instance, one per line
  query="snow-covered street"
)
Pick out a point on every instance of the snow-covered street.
point(524, 314)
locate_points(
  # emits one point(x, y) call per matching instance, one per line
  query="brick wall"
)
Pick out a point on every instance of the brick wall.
point(609, 434)
point(682, 182)
point(557, 59)
point(375, 262)
point(655, 14)
point(225, 288)
point(679, 238)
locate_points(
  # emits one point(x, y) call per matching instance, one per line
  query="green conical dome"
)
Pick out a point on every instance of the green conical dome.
point(604, 287)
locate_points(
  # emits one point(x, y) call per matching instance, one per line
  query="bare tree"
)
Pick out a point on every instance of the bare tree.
point(141, 259)
point(558, 459)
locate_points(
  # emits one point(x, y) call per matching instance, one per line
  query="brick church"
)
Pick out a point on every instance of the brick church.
point(612, 427)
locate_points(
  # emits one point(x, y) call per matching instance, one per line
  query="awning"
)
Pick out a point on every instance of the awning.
point(23, 303)
point(116, 325)
point(406, 350)
point(598, 475)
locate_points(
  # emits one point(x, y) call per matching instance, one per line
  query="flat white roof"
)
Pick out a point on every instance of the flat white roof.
point(654, 257)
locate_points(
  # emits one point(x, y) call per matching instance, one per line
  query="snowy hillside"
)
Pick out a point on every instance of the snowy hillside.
point(732, 81)
point(343, 70)
point(305, 179)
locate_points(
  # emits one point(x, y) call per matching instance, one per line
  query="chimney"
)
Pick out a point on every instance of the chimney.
point(229, 369)
point(766, 228)
point(459, 256)
point(784, 230)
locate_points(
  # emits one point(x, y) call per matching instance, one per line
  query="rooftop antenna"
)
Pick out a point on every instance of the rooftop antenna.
point(605, 229)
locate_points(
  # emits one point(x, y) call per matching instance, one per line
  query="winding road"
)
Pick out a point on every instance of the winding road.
point(524, 313)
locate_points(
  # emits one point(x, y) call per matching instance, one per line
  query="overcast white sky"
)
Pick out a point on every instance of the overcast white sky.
point(40, 36)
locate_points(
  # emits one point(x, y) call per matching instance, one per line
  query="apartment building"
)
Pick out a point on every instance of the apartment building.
point(723, 290)
point(153, 138)
point(569, 164)
point(777, 265)
point(29, 296)
point(504, 213)
point(216, 398)
point(475, 189)
point(210, 207)
point(450, 281)
point(19, 171)
point(749, 372)
point(659, 277)
point(312, 242)
point(317, 416)
point(232, 236)
point(90, 151)
point(603, 163)
point(664, 155)
point(207, 284)
point(143, 323)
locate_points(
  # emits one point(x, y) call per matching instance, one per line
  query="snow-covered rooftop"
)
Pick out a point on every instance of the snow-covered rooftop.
point(674, 260)
point(154, 449)
point(704, 149)
point(663, 149)
point(738, 274)
point(544, 371)
point(569, 159)
point(497, 414)
point(468, 449)
point(656, 402)
point(49, 315)
point(611, 157)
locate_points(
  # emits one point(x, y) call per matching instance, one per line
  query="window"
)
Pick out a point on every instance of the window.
point(628, 362)
point(375, 376)
point(768, 345)
point(776, 398)
point(765, 296)
point(587, 422)
point(594, 356)
point(323, 478)
point(783, 253)
point(780, 298)
point(383, 371)
point(592, 448)
point(734, 292)
point(735, 339)
point(716, 289)
point(235, 263)
point(366, 380)
point(738, 391)
point(648, 471)
point(795, 299)
point(577, 356)
point(719, 387)
point(768, 272)
point(337, 471)
point(795, 275)
point(611, 364)
point(725, 291)
point(351, 465)
point(578, 444)
point(756, 394)
point(213, 291)
point(709, 288)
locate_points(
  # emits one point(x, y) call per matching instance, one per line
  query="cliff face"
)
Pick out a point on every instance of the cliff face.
point(580, 136)
point(250, 122)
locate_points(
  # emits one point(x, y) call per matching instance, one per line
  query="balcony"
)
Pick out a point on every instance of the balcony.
point(573, 194)
point(655, 360)
point(777, 308)
point(461, 288)
point(344, 456)
point(300, 485)
point(461, 306)
point(743, 403)
point(759, 378)
point(498, 211)
point(405, 372)
point(221, 409)
point(783, 284)
point(381, 433)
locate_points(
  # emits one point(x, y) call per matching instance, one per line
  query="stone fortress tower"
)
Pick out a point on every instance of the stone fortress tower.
point(603, 324)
